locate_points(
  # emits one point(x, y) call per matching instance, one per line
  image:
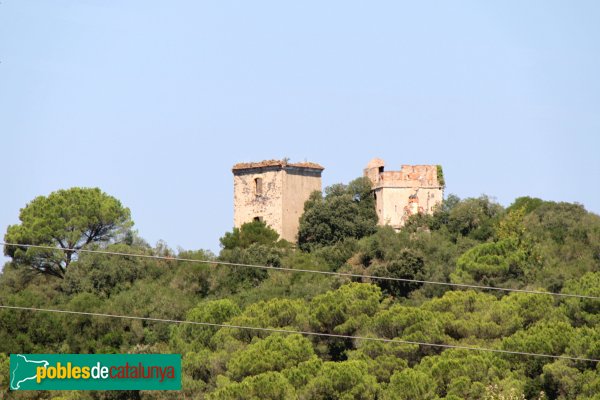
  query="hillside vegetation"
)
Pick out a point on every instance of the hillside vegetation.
point(533, 244)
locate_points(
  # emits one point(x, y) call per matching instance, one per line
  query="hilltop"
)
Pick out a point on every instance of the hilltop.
point(533, 246)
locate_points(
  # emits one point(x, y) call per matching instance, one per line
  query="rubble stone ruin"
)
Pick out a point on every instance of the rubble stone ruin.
point(399, 194)
point(274, 191)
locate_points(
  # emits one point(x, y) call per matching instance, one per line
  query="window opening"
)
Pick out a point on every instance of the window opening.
point(258, 186)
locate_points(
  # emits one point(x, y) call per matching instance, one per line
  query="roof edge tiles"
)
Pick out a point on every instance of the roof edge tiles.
point(275, 163)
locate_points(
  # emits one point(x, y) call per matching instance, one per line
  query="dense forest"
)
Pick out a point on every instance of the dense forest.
point(533, 244)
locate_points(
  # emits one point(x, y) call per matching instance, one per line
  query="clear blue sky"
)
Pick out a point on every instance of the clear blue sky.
point(154, 101)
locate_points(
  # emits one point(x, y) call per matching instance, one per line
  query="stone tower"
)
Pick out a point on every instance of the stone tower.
point(399, 194)
point(274, 191)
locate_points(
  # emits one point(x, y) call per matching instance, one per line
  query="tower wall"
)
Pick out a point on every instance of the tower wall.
point(266, 206)
point(299, 183)
point(399, 194)
point(278, 197)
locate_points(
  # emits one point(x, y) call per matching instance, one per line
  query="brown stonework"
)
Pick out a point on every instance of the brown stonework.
point(274, 191)
point(400, 194)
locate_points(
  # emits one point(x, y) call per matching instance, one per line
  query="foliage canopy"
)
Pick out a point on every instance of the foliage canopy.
point(346, 211)
point(69, 219)
point(532, 244)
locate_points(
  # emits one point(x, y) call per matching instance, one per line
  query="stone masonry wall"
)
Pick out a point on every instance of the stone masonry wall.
point(399, 194)
point(297, 187)
point(284, 189)
point(268, 205)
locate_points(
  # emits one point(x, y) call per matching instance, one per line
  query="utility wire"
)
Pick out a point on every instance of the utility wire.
point(331, 273)
point(305, 333)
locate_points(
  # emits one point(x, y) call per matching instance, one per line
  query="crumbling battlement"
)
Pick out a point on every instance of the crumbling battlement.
point(399, 194)
point(413, 176)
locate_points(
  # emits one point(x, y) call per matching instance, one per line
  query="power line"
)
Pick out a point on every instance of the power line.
point(305, 333)
point(331, 273)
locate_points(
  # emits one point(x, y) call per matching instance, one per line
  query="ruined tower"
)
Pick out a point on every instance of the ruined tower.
point(399, 194)
point(274, 191)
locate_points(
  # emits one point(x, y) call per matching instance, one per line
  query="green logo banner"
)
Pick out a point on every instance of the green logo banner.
point(95, 371)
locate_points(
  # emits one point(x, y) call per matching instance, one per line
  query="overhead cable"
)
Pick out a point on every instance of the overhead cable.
point(330, 273)
point(305, 333)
